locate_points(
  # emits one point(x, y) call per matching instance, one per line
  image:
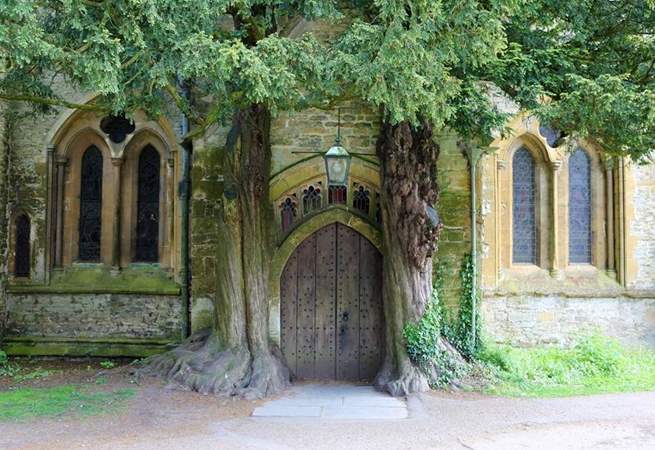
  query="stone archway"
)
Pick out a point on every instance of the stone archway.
point(331, 316)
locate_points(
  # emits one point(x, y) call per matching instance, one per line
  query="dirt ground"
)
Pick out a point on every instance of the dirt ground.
point(161, 418)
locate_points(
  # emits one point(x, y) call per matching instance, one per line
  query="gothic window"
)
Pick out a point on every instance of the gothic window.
point(579, 207)
point(90, 205)
point(147, 225)
point(288, 213)
point(524, 220)
point(337, 195)
point(22, 247)
point(361, 199)
point(311, 199)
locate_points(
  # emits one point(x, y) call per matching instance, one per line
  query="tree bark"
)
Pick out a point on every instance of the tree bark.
point(408, 168)
point(236, 357)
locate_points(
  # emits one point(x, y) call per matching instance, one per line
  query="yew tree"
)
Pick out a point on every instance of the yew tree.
point(219, 62)
point(585, 67)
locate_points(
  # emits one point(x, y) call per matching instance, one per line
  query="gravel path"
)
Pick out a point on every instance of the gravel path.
point(161, 419)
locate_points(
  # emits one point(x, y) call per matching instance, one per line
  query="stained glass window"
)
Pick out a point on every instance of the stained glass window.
point(22, 248)
point(90, 205)
point(524, 220)
point(288, 213)
point(579, 207)
point(361, 199)
point(337, 195)
point(147, 225)
point(311, 199)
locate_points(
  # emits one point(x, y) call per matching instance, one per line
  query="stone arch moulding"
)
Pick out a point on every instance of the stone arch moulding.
point(525, 132)
point(282, 253)
point(73, 124)
point(309, 169)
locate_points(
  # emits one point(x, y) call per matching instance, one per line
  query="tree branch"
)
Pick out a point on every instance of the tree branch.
point(183, 105)
point(54, 102)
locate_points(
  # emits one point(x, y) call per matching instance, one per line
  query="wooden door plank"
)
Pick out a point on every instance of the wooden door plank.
point(371, 319)
point(288, 303)
point(347, 304)
point(326, 274)
point(306, 309)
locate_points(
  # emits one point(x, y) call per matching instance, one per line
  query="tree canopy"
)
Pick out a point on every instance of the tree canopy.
point(586, 67)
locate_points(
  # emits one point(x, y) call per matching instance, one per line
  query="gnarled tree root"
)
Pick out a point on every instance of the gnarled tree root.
point(408, 378)
point(200, 364)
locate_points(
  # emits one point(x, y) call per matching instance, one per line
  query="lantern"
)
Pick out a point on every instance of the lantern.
point(337, 165)
point(337, 161)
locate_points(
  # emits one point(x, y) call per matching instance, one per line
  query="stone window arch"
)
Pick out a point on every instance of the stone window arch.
point(288, 211)
point(147, 194)
point(312, 198)
point(93, 209)
point(590, 187)
point(362, 199)
point(565, 202)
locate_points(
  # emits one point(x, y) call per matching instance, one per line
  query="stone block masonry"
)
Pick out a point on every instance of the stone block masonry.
point(526, 320)
point(101, 318)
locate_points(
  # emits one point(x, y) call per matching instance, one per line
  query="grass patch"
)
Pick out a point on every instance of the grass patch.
point(27, 403)
point(595, 365)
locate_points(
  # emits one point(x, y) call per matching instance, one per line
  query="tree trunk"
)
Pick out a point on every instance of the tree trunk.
point(237, 358)
point(408, 168)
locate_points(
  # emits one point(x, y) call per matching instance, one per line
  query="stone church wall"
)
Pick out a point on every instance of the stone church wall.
point(83, 309)
point(529, 320)
point(53, 319)
point(93, 315)
point(536, 316)
point(643, 227)
point(614, 295)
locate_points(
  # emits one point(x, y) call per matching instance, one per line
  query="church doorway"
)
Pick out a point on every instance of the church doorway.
point(332, 323)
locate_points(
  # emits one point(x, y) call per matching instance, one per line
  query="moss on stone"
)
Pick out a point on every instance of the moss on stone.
point(137, 279)
point(106, 347)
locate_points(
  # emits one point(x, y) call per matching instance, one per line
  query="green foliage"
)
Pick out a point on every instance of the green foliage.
point(413, 58)
point(107, 364)
point(7, 368)
point(35, 374)
point(422, 338)
point(594, 61)
point(133, 52)
point(465, 340)
point(19, 374)
point(586, 67)
point(595, 364)
point(26, 403)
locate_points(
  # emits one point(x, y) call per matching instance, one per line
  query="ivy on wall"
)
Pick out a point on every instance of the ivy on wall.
point(467, 341)
point(423, 337)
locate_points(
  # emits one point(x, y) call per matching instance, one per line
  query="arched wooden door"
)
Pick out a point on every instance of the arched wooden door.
point(332, 324)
